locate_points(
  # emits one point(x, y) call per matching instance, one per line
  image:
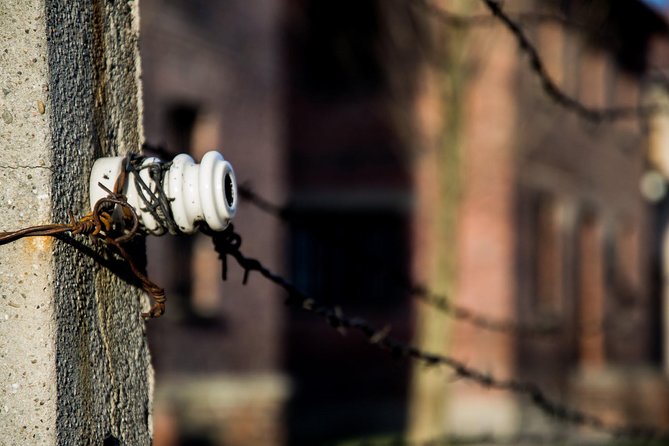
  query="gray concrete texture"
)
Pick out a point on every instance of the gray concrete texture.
point(74, 363)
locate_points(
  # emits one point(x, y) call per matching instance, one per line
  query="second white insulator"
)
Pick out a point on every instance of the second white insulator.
point(205, 192)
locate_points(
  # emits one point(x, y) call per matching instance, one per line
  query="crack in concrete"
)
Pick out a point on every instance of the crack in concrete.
point(5, 166)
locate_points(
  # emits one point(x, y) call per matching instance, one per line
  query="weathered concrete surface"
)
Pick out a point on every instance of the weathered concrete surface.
point(74, 365)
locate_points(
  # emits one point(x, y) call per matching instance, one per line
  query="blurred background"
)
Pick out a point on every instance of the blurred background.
point(420, 160)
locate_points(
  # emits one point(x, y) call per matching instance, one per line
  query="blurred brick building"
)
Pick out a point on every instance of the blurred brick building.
point(550, 227)
point(409, 148)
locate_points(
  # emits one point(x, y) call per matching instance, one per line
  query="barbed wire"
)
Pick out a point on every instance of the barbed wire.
point(546, 327)
point(228, 243)
point(551, 88)
point(538, 67)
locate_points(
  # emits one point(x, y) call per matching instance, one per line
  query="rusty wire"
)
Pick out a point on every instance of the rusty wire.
point(97, 223)
point(228, 243)
point(112, 221)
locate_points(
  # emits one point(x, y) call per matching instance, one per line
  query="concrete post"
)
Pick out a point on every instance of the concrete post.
point(74, 364)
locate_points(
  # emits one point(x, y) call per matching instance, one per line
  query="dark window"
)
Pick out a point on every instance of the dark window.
point(356, 258)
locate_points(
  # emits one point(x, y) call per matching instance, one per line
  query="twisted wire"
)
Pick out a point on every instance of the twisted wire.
point(155, 200)
point(102, 224)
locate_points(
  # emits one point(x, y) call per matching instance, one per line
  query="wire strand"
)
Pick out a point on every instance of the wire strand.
point(550, 87)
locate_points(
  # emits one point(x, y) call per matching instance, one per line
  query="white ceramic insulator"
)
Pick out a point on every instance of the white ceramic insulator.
point(205, 192)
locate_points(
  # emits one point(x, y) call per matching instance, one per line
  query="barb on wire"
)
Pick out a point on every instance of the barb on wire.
point(228, 243)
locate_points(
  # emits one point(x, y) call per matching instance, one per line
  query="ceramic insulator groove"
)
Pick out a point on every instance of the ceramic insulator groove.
point(205, 192)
